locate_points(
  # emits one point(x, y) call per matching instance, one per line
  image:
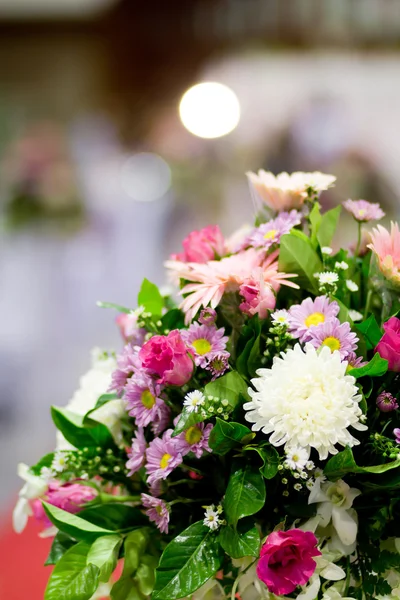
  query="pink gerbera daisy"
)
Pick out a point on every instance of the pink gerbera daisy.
point(310, 314)
point(137, 453)
point(204, 341)
point(163, 456)
point(142, 398)
point(210, 281)
point(270, 233)
point(157, 511)
point(195, 439)
point(364, 211)
point(337, 336)
point(386, 247)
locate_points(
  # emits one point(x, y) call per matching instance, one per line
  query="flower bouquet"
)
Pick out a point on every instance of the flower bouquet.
point(245, 442)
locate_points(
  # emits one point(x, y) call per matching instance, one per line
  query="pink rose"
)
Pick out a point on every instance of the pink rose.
point(168, 356)
point(286, 560)
point(202, 246)
point(389, 344)
point(70, 497)
point(258, 297)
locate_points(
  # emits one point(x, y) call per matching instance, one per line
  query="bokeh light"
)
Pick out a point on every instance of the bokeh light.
point(209, 110)
point(145, 177)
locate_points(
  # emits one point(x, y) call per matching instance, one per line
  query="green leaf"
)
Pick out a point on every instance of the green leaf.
point(240, 542)
point(343, 463)
point(243, 358)
point(72, 578)
point(371, 331)
point(45, 461)
point(328, 226)
point(299, 257)
point(315, 221)
point(118, 307)
point(245, 494)
point(190, 560)
point(225, 436)
point(188, 419)
point(134, 547)
point(150, 297)
point(146, 574)
point(114, 516)
point(126, 589)
point(61, 543)
point(254, 358)
point(80, 435)
point(269, 456)
point(376, 367)
point(104, 554)
point(228, 387)
point(101, 401)
point(73, 525)
point(173, 319)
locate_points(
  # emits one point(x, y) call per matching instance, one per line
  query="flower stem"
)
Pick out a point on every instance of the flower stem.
point(106, 498)
point(368, 303)
point(358, 241)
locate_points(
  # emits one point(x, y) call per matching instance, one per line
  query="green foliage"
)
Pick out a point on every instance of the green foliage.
point(230, 386)
point(299, 257)
point(73, 525)
point(72, 578)
point(118, 307)
point(328, 225)
point(114, 516)
point(269, 457)
point(173, 319)
point(188, 419)
point(315, 218)
point(343, 463)
point(371, 331)
point(61, 543)
point(241, 541)
point(149, 296)
point(376, 367)
point(104, 554)
point(245, 494)
point(78, 433)
point(44, 462)
point(101, 401)
point(225, 436)
point(187, 563)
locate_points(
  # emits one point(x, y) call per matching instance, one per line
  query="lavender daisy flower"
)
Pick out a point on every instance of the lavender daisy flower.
point(364, 211)
point(137, 453)
point(157, 511)
point(337, 336)
point(355, 361)
point(218, 364)
point(310, 314)
point(271, 232)
point(127, 362)
point(396, 433)
point(204, 342)
point(208, 316)
point(161, 420)
point(142, 399)
point(386, 402)
point(163, 456)
point(195, 439)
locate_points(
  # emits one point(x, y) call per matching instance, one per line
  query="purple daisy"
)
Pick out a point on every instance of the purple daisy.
point(271, 232)
point(161, 421)
point(309, 314)
point(163, 456)
point(396, 433)
point(364, 211)
point(386, 402)
point(137, 453)
point(218, 364)
point(208, 316)
point(127, 362)
point(356, 361)
point(204, 342)
point(337, 336)
point(157, 511)
point(142, 399)
point(195, 439)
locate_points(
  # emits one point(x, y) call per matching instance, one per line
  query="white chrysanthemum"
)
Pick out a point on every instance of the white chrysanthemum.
point(306, 400)
point(328, 278)
point(193, 400)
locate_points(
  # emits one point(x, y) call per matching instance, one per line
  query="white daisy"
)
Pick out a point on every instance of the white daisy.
point(296, 458)
point(328, 278)
point(351, 285)
point(355, 315)
point(193, 400)
point(280, 317)
point(326, 250)
point(341, 265)
point(59, 462)
point(211, 517)
point(306, 400)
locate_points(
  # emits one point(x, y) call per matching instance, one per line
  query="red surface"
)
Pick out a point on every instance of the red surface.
point(22, 574)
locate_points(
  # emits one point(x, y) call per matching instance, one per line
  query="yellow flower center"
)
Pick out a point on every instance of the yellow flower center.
point(314, 319)
point(361, 212)
point(164, 461)
point(270, 235)
point(332, 343)
point(193, 435)
point(159, 509)
point(202, 346)
point(147, 399)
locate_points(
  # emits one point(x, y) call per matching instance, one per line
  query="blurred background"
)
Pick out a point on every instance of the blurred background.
point(102, 174)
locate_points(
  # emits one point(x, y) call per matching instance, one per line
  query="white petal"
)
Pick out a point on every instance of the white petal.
point(333, 572)
point(345, 525)
point(311, 591)
point(325, 513)
point(21, 513)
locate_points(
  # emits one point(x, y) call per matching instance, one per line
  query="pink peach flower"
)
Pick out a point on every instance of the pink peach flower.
point(389, 345)
point(286, 560)
point(386, 247)
point(168, 357)
point(202, 246)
